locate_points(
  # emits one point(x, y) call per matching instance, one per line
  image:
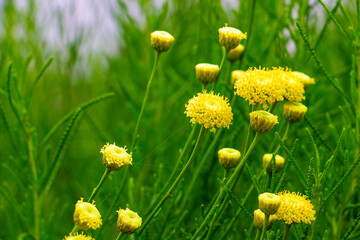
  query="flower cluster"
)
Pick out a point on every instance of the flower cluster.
point(210, 110)
point(295, 208)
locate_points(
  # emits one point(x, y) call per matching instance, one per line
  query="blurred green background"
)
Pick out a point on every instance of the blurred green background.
point(120, 62)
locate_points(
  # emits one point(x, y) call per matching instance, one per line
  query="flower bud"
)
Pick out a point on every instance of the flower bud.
point(230, 37)
point(279, 162)
point(77, 236)
point(294, 112)
point(206, 73)
point(236, 53)
point(262, 121)
point(235, 75)
point(229, 157)
point(86, 215)
point(114, 157)
point(128, 221)
point(161, 41)
point(259, 218)
point(304, 79)
point(269, 203)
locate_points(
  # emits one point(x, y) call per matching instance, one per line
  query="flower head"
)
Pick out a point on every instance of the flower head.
point(235, 53)
point(86, 215)
point(304, 79)
point(209, 110)
point(262, 121)
point(235, 75)
point(77, 236)
point(229, 157)
point(295, 208)
point(294, 112)
point(206, 73)
point(259, 218)
point(293, 88)
point(269, 203)
point(161, 41)
point(279, 162)
point(230, 37)
point(114, 157)
point(128, 221)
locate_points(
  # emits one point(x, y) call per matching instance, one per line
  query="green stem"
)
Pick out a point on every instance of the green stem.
point(177, 180)
point(75, 229)
point(286, 231)
point(120, 236)
point(258, 233)
point(266, 220)
point(157, 57)
point(224, 53)
point(285, 136)
point(230, 184)
point(102, 180)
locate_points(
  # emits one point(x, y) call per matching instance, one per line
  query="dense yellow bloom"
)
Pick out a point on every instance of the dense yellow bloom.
point(209, 110)
point(230, 37)
point(294, 112)
point(86, 215)
point(262, 121)
point(295, 208)
point(259, 86)
point(263, 86)
point(269, 203)
point(303, 78)
point(259, 218)
point(229, 157)
point(114, 157)
point(236, 53)
point(161, 41)
point(76, 236)
point(206, 73)
point(279, 162)
point(128, 221)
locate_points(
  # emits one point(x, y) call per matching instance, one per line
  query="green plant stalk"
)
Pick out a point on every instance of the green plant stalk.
point(157, 57)
point(224, 53)
point(230, 184)
point(258, 233)
point(120, 236)
point(266, 220)
point(286, 231)
point(177, 180)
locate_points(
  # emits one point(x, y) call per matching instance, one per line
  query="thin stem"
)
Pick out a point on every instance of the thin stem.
point(120, 236)
point(266, 220)
point(75, 229)
point(224, 53)
point(157, 57)
point(177, 180)
point(286, 231)
point(258, 233)
point(230, 184)
point(285, 136)
point(102, 180)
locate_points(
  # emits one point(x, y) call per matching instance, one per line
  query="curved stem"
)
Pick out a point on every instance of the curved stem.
point(262, 237)
point(102, 180)
point(120, 236)
point(224, 52)
point(177, 180)
point(258, 233)
point(286, 231)
point(230, 184)
point(157, 57)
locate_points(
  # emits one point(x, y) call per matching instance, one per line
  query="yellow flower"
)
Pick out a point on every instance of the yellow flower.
point(235, 75)
point(295, 208)
point(262, 121)
point(209, 110)
point(303, 78)
point(206, 73)
point(293, 88)
point(76, 236)
point(114, 157)
point(259, 218)
point(86, 215)
point(161, 41)
point(279, 162)
point(294, 112)
point(269, 203)
point(229, 157)
point(230, 37)
point(259, 86)
point(128, 221)
point(236, 53)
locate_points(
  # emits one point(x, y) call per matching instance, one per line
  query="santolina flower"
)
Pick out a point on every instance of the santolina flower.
point(77, 236)
point(228, 157)
point(262, 121)
point(235, 75)
point(295, 208)
point(294, 112)
point(230, 37)
point(293, 88)
point(236, 53)
point(259, 218)
point(269, 203)
point(86, 215)
point(206, 73)
point(303, 79)
point(114, 157)
point(161, 41)
point(128, 221)
point(279, 162)
point(212, 111)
